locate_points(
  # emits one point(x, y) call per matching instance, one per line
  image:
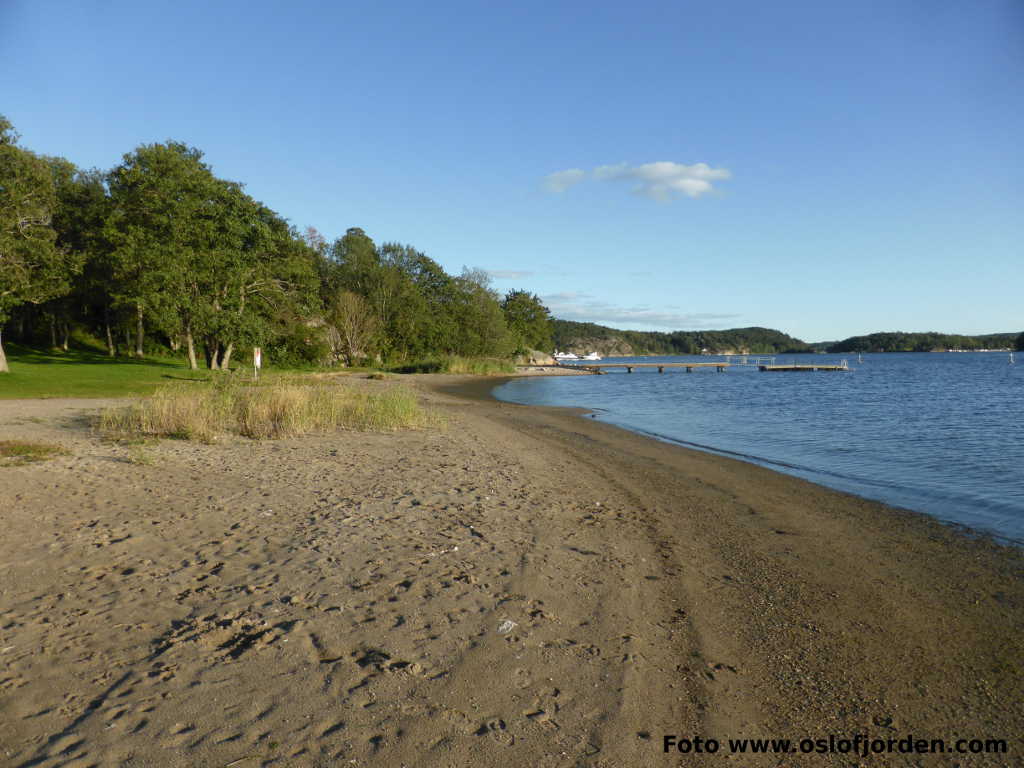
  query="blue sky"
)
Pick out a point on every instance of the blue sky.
point(824, 168)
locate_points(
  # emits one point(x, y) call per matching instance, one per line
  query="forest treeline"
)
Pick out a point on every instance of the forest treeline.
point(587, 337)
point(158, 254)
point(897, 341)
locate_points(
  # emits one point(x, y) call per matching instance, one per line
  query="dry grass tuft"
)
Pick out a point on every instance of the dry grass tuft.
point(476, 366)
point(286, 408)
point(480, 366)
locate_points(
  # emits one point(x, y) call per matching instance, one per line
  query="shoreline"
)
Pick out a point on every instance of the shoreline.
point(484, 391)
point(527, 587)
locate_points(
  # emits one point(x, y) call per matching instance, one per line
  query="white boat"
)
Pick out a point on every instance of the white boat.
point(591, 356)
point(565, 356)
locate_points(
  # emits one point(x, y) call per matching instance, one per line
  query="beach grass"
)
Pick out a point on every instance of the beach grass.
point(15, 452)
point(288, 407)
point(476, 366)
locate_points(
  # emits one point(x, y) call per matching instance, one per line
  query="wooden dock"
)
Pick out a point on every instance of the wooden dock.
point(598, 367)
point(841, 367)
point(718, 366)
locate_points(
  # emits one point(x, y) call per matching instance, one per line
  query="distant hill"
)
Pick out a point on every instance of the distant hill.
point(577, 337)
point(582, 338)
point(898, 341)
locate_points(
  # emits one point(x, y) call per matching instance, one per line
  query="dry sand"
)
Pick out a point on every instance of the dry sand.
point(527, 588)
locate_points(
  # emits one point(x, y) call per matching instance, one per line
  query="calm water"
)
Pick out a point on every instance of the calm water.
point(941, 433)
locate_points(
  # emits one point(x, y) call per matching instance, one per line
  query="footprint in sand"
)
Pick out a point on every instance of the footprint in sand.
point(496, 729)
point(178, 735)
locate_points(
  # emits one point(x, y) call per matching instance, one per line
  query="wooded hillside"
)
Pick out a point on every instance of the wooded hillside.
point(590, 337)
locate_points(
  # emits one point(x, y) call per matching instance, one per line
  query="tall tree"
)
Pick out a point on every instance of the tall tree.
point(252, 268)
point(33, 268)
point(82, 208)
point(424, 320)
point(480, 323)
point(156, 194)
point(356, 263)
point(529, 320)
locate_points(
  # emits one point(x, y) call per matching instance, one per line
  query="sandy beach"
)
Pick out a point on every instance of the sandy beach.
point(526, 587)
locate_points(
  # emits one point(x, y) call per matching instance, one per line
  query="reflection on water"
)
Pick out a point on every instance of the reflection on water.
point(940, 433)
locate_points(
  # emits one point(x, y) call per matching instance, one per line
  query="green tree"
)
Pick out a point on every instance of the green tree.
point(199, 257)
point(248, 269)
point(1020, 342)
point(481, 329)
point(33, 268)
point(355, 264)
point(82, 208)
point(431, 300)
point(528, 320)
point(385, 278)
point(156, 194)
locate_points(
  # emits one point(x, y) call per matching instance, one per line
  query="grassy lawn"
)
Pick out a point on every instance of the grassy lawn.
point(85, 373)
point(89, 372)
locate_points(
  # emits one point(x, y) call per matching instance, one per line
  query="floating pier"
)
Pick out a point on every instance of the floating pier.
point(841, 367)
point(598, 367)
point(718, 366)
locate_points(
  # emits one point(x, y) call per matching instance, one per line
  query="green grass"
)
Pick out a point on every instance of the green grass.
point(287, 408)
point(89, 372)
point(86, 373)
point(137, 454)
point(15, 452)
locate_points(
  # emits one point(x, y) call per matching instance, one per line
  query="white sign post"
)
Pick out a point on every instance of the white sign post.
point(257, 363)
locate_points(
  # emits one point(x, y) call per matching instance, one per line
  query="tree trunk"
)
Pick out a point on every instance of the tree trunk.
point(190, 345)
point(65, 329)
point(226, 357)
point(139, 331)
point(111, 349)
point(212, 354)
point(53, 332)
point(128, 340)
point(174, 342)
point(3, 357)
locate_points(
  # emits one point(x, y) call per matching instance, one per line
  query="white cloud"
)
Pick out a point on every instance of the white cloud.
point(585, 308)
point(562, 180)
point(508, 274)
point(661, 180)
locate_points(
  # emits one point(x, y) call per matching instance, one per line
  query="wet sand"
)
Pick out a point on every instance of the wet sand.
point(525, 588)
